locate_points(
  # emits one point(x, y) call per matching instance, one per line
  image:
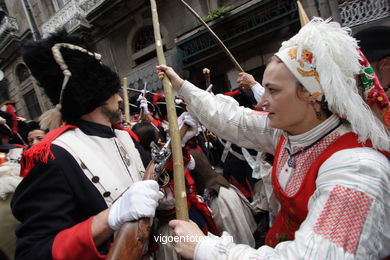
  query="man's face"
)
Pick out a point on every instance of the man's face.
point(382, 70)
point(35, 137)
point(111, 108)
point(287, 110)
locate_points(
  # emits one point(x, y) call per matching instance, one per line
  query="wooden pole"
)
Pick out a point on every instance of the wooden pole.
point(126, 100)
point(206, 73)
point(178, 167)
point(226, 50)
point(302, 14)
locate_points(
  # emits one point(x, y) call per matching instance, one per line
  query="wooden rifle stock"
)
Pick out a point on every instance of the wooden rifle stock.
point(131, 238)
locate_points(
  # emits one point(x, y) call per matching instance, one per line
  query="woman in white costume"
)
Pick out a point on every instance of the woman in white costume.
point(331, 171)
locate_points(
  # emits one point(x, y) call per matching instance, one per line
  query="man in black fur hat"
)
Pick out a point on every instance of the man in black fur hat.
point(84, 180)
point(374, 42)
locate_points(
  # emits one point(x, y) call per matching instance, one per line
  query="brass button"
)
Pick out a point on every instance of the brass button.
point(82, 165)
point(106, 194)
point(95, 179)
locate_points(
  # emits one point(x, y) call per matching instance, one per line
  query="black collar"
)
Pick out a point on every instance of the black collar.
point(91, 128)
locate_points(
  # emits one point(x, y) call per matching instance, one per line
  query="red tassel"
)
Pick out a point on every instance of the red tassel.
point(132, 134)
point(41, 152)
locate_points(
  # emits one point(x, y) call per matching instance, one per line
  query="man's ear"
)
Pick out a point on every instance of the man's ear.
point(385, 64)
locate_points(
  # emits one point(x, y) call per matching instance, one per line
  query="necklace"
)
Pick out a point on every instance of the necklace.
point(291, 160)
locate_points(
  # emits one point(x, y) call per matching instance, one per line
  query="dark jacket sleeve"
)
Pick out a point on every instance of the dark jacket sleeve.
point(53, 197)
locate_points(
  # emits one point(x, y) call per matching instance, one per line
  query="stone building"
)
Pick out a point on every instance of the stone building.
point(123, 33)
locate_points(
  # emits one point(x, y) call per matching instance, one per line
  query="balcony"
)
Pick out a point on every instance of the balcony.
point(71, 16)
point(244, 28)
point(355, 12)
point(8, 29)
point(100, 13)
point(88, 6)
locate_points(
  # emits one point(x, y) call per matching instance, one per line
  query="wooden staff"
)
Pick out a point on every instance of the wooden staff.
point(206, 73)
point(302, 14)
point(126, 100)
point(226, 50)
point(178, 167)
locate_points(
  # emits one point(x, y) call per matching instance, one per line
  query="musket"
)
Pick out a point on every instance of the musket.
point(131, 238)
point(226, 50)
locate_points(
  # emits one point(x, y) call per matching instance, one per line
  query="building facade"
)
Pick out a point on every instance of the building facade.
point(123, 33)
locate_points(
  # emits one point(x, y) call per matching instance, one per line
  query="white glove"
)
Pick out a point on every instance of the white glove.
point(143, 104)
point(191, 164)
point(186, 118)
point(140, 200)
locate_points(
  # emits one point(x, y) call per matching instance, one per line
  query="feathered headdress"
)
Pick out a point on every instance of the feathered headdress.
point(325, 59)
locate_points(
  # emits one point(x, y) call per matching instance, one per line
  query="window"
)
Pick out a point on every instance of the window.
point(143, 38)
point(30, 98)
point(143, 45)
point(22, 72)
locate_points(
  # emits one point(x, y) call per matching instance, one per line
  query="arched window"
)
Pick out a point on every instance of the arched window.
point(22, 72)
point(143, 38)
point(142, 45)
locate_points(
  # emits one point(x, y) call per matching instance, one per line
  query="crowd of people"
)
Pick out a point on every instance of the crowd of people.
point(296, 167)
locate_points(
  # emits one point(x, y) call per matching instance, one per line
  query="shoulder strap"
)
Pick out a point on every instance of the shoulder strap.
point(81, 151)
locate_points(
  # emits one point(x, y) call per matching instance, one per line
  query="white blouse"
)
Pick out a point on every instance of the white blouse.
point(349, 213)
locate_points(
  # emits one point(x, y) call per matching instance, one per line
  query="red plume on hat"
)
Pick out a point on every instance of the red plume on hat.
point(157, 97)
point(9, 108)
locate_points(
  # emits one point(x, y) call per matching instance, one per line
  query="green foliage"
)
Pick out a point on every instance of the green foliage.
point(217, 13)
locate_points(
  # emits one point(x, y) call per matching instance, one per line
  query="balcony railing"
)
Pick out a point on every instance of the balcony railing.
point(355, 12)
point(89, 5)
point(8, 27)
point(248, 26)
point(70, 16)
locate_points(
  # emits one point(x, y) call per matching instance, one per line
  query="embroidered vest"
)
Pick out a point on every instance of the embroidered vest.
point(294, 208)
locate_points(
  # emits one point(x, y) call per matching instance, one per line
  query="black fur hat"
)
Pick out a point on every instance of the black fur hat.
point(90, 83)
point(374, 42)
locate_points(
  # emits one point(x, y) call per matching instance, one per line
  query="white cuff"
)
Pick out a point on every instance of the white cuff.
point(258, 91)
point(184, 85)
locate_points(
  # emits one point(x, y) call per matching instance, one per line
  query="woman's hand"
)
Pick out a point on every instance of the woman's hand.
point(175, 79)
point(188, 235)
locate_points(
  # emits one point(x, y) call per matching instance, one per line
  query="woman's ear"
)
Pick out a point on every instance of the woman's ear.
point(304, 94)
